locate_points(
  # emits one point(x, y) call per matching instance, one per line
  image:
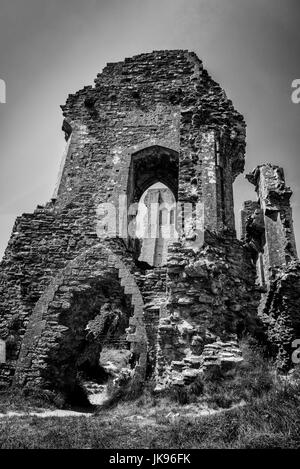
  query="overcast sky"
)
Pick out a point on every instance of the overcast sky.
point(49, 49)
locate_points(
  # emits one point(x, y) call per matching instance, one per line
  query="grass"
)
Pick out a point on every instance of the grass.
point(249, 409)
point(254, 378)
point(17, 402)
point(270, 422)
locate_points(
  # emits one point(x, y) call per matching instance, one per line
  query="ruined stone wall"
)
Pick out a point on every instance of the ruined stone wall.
point(279, 246)
point(268, 231)
point(55, 339)
point(40, 245)
point(279, 310)
point(212, 300)
point(164, 98)
point(152, 108)
point(248, 210)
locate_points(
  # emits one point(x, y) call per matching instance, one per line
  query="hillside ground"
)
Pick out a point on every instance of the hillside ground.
point(253, 408)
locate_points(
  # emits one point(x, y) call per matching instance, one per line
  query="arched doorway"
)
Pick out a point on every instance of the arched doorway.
point(94, 346)
point(151, 166)
point(156, 224)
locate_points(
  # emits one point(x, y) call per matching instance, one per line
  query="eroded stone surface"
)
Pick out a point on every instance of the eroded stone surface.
point(267, 228)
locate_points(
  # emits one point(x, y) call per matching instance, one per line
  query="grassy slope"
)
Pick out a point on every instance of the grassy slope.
point(269, 418)
point(270, 422)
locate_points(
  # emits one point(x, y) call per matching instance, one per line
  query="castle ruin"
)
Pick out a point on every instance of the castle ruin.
point(179, 303)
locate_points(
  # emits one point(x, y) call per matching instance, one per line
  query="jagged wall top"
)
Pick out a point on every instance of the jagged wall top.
point(172, 76)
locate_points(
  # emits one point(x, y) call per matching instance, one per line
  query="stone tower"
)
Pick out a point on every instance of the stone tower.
point(159, 226)
point(156, 117)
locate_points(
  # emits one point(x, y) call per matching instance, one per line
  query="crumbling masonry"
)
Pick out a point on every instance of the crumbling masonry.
point(156, 117)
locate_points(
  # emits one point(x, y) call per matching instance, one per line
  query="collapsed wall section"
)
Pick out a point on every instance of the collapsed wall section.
point(41, 244)
point(212, 303)
point(268, 233)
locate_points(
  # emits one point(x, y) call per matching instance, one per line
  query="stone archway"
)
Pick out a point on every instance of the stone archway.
point(56, 344)
point(149, 165)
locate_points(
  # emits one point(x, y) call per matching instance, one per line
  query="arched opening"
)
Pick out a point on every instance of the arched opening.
point(94, 347)
point(155, 224)
point(91, 310)
point(148, 167)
